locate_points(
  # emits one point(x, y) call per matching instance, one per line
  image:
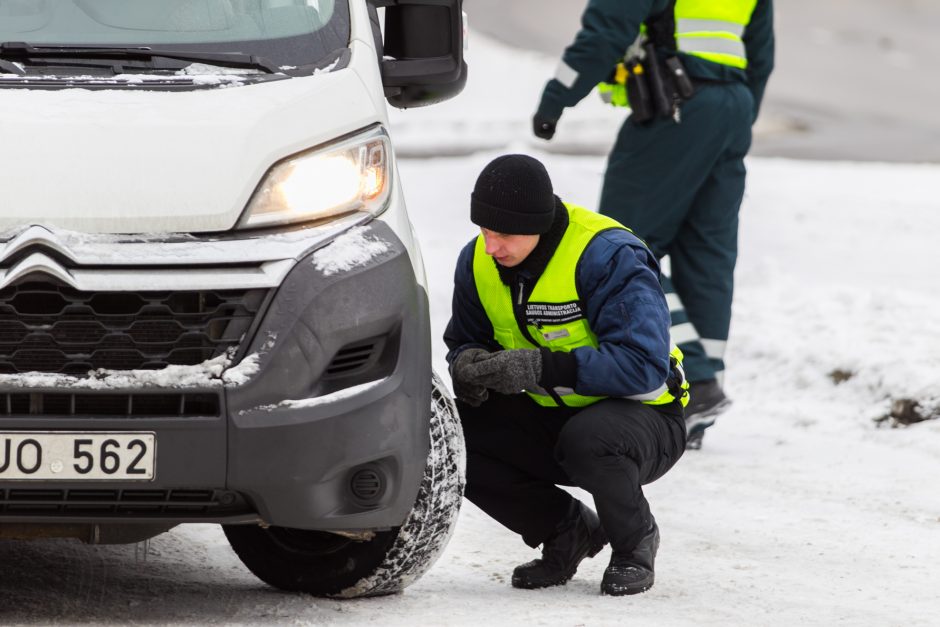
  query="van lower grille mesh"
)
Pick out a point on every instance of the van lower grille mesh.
point(46, 327)
point(91, 405)
point(179, 503)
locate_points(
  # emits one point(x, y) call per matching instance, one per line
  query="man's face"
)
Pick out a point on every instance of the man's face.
point(508, 250)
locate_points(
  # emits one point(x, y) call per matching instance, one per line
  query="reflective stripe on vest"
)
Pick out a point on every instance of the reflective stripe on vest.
point(553, 311)
point(713, 30)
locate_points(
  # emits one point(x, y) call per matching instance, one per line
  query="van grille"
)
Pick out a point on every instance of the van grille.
point(46, 327)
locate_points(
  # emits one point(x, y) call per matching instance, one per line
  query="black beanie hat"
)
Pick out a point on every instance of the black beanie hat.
point(513, 195)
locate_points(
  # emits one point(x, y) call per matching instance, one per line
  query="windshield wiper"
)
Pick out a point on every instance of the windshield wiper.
point(20, 51)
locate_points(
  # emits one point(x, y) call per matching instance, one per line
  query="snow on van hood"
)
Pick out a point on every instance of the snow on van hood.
point(129, 161)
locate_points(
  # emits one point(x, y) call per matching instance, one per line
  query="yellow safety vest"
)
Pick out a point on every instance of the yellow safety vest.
point(709, 29)
point(713, 29)
point(554, 317)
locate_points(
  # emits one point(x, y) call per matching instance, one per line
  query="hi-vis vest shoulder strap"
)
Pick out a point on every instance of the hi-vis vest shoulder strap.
point(553, 316)
point(713, 29)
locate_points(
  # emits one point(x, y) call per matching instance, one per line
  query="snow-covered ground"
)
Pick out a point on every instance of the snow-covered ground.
point(800, 509)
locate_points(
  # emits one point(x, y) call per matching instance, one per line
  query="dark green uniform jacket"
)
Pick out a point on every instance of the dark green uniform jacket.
point(609, 27)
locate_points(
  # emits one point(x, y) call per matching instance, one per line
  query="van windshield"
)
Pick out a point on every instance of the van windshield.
point(288, 32)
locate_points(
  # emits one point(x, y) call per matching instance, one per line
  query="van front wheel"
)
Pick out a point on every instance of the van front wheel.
point(327, 564)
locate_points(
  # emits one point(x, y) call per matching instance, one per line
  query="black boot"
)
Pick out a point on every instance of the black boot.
point(580, 535)
point(631, 572)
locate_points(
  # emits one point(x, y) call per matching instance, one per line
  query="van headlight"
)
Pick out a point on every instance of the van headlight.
point(349, 175)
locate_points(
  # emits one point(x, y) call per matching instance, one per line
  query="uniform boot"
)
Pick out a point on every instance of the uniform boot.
point(631, 572)
point(580, 535)
point(706, 402)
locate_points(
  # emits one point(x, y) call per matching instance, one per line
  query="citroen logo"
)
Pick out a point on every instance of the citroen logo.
point(38, 262)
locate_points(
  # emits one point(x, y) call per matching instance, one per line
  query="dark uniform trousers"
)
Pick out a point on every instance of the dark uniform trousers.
point(679, 188)
point(518, 453)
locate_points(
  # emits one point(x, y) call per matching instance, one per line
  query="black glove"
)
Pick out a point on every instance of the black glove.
point(473, 394)
point(508, 371)
point(543, 128)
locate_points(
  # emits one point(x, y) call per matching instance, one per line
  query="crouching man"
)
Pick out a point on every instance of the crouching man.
point(561, 364)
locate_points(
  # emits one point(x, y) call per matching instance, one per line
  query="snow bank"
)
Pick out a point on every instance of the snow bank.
point(837, 261)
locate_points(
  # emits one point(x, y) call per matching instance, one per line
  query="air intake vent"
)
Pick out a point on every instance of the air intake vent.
point(98, 502)
point(87, 405)
point(353, 359)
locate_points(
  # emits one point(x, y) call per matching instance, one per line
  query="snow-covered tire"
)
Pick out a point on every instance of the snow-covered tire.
point(326, 564)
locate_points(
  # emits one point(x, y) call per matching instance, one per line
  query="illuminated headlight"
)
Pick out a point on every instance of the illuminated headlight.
point(351, 175)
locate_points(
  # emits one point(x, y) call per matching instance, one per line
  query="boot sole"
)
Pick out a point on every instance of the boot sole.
point(626, 590)
point(535, 585)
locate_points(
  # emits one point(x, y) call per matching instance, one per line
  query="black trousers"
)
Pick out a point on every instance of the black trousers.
point(519, 452)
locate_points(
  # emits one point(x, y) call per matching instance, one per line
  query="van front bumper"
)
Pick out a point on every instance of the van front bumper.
point(341, 397)
point(322, 423)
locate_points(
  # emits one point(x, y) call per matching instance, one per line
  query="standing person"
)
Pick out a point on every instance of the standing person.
point(565, 305)
point(676, 172)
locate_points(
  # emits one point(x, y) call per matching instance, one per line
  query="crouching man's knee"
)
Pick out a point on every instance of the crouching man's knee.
point(584, 453)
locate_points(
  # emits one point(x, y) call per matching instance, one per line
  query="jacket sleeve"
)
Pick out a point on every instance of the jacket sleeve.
point(608, 27)
point(759, 45)
point(469, 325)
point(618, 280)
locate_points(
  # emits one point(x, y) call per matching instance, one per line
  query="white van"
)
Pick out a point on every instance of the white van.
point(212, 306)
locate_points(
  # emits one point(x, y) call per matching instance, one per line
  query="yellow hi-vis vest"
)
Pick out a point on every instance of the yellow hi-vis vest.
point(554, 317)
point(710, 29)
point(713, 29)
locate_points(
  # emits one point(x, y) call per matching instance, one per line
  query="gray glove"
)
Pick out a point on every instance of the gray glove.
point(507, 372)
point(466, 390)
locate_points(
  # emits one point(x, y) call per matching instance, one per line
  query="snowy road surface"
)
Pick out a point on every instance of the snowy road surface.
point(797, 511)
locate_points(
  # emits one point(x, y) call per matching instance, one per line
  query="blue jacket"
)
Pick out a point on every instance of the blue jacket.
point(608, 27)
point(618, 281)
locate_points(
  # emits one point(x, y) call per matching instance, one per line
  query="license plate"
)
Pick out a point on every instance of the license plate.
point(75, 455)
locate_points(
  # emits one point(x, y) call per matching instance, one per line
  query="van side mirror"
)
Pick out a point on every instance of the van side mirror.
point(422, 62)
